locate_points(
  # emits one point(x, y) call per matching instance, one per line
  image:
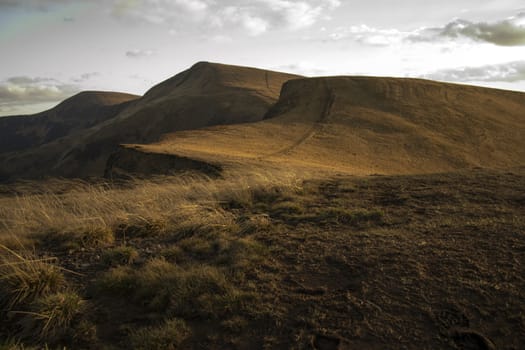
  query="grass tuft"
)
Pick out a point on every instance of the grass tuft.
point(16, 344)
point(167, 336)
point(287, 208)
point(82, 237)
point(189, 292)
point(142, 227)
point(118, 281)
point(25, 278)
point(52, 315)
point(123, 255)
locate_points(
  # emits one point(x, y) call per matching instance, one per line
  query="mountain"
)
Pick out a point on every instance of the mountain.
point(361, 125)
point(76, 113)
point(206, 94)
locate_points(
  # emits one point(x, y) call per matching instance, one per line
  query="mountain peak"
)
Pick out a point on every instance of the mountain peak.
point(93, 99)
point(210, 77)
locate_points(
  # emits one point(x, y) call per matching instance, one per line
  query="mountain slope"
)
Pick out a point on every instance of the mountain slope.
point(369, 125)
point(78, 112)
point(204, 95)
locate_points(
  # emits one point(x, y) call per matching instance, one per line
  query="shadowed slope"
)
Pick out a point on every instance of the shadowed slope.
point(76, 113)
point(371, 125)
point(204, 95)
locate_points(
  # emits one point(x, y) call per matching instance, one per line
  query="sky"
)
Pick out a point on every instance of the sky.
point(52, 49)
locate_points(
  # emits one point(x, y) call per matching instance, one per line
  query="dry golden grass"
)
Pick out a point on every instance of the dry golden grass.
point(36, 301)
point(168, 335)
point(121, 255)
point(52, 315)
point(427, 261)
point(77, 215)
point(366, 125)
point(217, 94)
point(25, 277)
point(87, 214)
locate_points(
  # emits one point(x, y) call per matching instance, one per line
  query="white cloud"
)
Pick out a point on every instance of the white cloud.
point(504, 72)
point(302, 68)
point(507, 32)
point(370, 35)
point(235, 15)
point(85, 77)
point(39, 5)
point(22, 91)
point(294, 14)
point(139, 53)
point(255, 17)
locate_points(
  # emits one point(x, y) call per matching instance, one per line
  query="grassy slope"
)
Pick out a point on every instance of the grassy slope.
point(365, 125)
point(417, 261)
point(309, 258)
point(206, 94)
point(72, 115)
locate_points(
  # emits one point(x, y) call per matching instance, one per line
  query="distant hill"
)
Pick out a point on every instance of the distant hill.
point(363, 125)
point(79, 112)
point(206, 94)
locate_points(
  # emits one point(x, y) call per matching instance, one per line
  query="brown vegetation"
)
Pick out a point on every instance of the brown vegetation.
point(366, 125)
point(206, 94)
point(427, 261)
point(398, 222)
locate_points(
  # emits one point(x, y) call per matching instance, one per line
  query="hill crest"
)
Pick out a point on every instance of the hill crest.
point(206, 94)
point(367, 125)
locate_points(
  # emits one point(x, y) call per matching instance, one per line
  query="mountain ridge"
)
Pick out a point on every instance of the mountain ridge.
point(220, 115)
point(205, 94)
point(369, 125)
point(80, 111)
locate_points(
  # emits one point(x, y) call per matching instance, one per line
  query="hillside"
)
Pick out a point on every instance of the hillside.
point(204, 95)
point(79, 112)
point(365, 125)
point(285, 213)
point(266, 261)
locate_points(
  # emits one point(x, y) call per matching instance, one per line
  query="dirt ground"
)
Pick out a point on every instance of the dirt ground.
point(377, 262)
point(442, 269)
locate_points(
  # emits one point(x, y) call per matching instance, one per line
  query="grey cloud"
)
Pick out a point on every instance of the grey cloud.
point(302, 68)
point(139, 53)
point(508, 32)
point(370, 36)
point(26, 90)
point(85, 77)
point(506, 72)
point(38, 5)
point(255, 17)
point(22, 80)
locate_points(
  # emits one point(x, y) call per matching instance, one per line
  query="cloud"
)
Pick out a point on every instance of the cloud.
point(22, 90)
point(507, 32)
point(139, 53)
point(255, 17)
point(85, 77)
point(253, 24)
point(370, 35)
point(302, 68)
point(38, 5)
point(505, 72)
